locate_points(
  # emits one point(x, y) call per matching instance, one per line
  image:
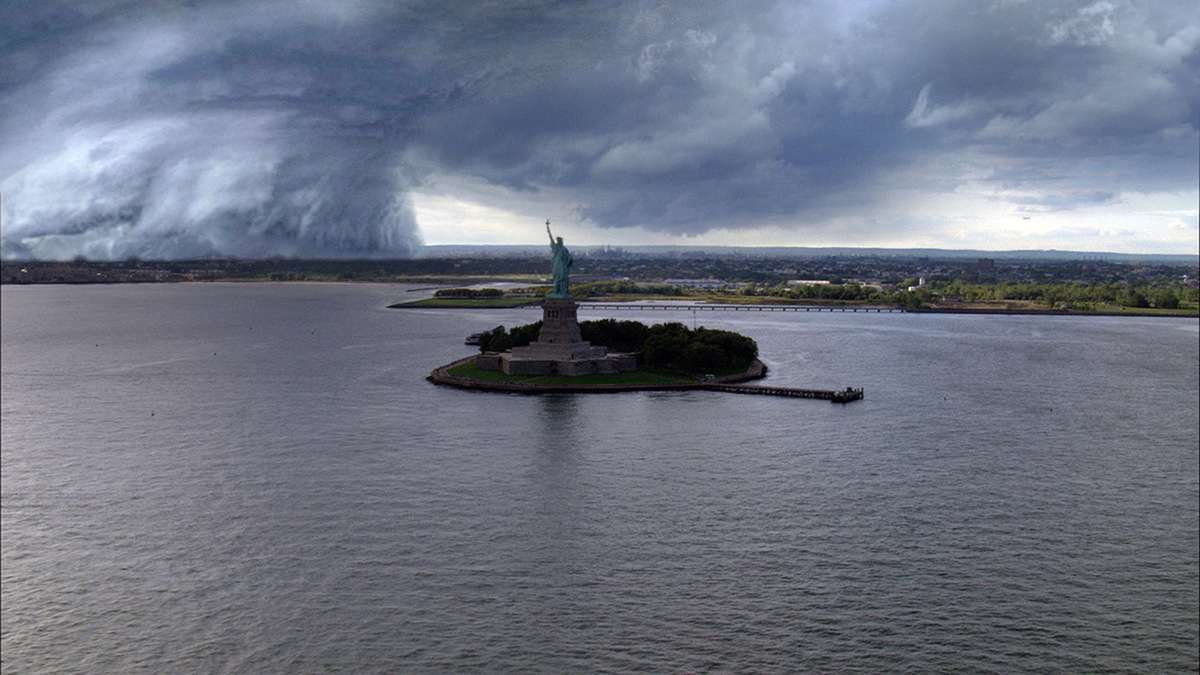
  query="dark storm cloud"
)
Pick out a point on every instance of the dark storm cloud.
point(299, 128)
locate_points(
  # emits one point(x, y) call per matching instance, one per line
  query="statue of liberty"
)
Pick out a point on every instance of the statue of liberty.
point(560, 263)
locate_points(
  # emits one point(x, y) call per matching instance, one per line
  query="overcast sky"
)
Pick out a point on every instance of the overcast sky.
point(369, 127)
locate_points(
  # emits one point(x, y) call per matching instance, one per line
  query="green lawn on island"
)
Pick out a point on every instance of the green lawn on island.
point(642, 375)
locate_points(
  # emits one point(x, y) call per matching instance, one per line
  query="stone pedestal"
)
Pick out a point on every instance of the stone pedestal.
point(560, 322)
point(559, 350)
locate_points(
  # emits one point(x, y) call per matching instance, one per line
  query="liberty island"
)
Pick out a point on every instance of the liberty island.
point(571, 363)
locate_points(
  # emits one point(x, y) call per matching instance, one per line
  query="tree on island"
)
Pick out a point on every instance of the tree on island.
point(500, 339)
point(469, 293)
point(667, 345)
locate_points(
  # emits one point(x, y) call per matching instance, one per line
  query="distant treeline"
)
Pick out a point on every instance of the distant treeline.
point(1080, 296)
point(666, 345)
point(593, 289)
point(1161, 295)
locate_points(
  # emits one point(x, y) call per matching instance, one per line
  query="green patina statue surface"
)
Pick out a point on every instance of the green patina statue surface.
point(560, 263)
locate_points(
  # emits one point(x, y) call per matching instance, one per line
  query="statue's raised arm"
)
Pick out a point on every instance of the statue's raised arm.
point(548, 232)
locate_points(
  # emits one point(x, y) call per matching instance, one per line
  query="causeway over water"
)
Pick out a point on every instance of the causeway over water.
point(714, 307)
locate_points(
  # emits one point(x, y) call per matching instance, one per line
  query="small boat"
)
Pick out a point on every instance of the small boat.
point(473, 339)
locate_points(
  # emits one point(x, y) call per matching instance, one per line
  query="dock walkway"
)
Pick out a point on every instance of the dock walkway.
point(838, 396)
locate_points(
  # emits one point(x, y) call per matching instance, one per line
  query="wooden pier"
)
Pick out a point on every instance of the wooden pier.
point(840, 396)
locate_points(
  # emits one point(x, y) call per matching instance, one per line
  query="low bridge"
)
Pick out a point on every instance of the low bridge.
point(727, 308)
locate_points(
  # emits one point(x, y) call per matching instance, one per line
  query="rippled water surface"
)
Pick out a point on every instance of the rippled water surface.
point(257, 477)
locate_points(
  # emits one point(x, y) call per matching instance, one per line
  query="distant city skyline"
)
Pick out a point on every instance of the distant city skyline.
point(257, 128)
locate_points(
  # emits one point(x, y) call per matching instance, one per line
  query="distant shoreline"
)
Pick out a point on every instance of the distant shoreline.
point(526, 303)
point(984, 287)
point(861, 309)
point(1055, 312)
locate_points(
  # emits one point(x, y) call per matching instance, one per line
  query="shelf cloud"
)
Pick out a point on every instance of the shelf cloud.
point(260, 128)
